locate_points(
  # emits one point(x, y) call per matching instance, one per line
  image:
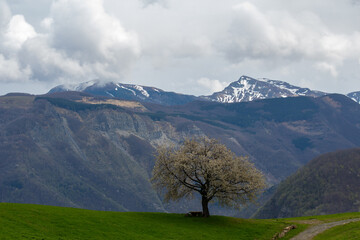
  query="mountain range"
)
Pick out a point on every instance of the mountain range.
point(244, 90)
point(91, 145)
point(80, 150)
point(249, 89)
point(129, 92)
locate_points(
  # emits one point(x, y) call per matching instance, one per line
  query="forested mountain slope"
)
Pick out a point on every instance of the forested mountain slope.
point(328, 184)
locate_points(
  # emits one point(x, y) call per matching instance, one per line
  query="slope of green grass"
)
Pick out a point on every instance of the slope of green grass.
point(348, 231)
point(326, 218)
point(22, 221)
point(26, 221)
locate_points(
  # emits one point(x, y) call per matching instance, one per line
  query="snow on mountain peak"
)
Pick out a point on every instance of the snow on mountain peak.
point(249, 89)
point(142, 90)
point(243, 90)
point(130, 92)
point(354, 96)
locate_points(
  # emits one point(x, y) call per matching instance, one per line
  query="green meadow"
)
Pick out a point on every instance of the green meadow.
point(350, 231)
point(25, 221)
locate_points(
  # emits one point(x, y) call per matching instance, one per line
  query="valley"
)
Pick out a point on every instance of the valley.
point(60, 149)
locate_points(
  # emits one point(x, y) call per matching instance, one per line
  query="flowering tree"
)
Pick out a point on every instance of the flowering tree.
point(205, 166)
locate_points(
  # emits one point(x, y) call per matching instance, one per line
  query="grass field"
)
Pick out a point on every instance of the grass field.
point(350, 231)
point(24, 221)
point(327, 218)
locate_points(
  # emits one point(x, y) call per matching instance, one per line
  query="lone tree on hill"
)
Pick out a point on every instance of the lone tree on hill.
point(205, 166)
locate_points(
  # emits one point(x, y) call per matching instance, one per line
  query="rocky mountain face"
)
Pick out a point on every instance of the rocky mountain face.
point(328, 184)
point(248, 89)
point(80, 150)
point(129, 92)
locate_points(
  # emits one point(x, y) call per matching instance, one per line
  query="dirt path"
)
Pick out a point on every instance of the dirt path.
point(317, 229)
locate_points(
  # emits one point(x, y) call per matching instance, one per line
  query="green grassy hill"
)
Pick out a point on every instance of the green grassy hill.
point(22, 221)
point(347, 231)
point(26, 221)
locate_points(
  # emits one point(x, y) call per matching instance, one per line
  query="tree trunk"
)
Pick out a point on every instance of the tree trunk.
point(205, 203)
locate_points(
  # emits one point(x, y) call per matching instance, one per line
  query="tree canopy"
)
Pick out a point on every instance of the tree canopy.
point(205, 166)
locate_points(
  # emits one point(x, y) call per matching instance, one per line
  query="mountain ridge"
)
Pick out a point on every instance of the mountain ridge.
point(248, 89)
point(130, 92)
point(78, 150)
point(245, 89)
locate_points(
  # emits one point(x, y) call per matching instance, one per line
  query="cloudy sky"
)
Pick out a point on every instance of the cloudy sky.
point(188, 46)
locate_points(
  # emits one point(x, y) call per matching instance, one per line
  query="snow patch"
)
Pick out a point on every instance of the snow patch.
point(142, 90)
point(109, 94)
point(128, 89)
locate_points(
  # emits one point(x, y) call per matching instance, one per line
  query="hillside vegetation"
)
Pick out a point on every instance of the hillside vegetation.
point(328, 184)
point(18, 221)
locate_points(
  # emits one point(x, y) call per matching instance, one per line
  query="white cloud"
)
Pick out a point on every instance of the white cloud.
point(278, 37)
point(92, 38)
point(47, 23)
point(328, 68)
point(11, 71)
point(81, 41)
point(163, 3)
point(49, 64)
point(257, 34)
point(86, 32)
point(18, 31)
point(193, 47)
point(14, 31)
point(5, 14)
point(307, 42)
point(211, 85)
